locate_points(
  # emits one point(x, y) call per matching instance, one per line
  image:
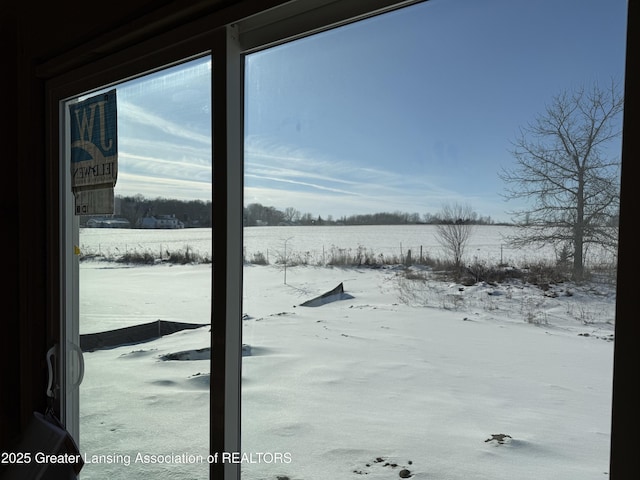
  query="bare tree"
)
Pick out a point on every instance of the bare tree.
point(561, 169)
point(455, 229)
point(291, 215)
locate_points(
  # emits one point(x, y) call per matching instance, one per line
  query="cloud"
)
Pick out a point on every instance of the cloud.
point(183, 168)
point(161, 158)
point(154, 187)
point(130, 114)
point(284, 176)
point(301, 184)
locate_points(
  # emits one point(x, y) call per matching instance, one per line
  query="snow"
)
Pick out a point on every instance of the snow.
point(406, 379)
point(317, 244)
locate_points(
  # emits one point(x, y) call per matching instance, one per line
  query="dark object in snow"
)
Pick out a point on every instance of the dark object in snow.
point(196, 354)
point(334, 295)
point(132, 335)
point(499, 437)
point(404, 473)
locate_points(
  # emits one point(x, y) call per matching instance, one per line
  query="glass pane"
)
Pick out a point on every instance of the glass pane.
point(393, 324)
point(145, 287)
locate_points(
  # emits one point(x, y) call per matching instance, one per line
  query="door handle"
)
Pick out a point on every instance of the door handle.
point(73, 348)
point(50, 353)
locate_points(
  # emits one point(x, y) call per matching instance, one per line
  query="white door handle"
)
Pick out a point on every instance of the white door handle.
point(50, 353)
point(73, 348)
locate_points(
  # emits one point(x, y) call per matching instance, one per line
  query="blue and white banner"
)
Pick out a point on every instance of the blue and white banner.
point(94, 153)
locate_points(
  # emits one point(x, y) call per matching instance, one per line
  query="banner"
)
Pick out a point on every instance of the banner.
point(94, 153)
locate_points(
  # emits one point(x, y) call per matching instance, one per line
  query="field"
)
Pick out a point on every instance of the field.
point(404, 376)
point(315, 245)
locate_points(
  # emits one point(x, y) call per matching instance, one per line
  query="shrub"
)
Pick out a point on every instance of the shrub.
point(414, 289)
point(147, 257)
point(144, 258)
point(259, 258)
point(346, 257)
point(532, 312)
point(186, 256)
point(543, 274)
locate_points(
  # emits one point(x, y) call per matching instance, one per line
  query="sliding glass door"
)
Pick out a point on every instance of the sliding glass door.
point(399, 318)
point(142, 268)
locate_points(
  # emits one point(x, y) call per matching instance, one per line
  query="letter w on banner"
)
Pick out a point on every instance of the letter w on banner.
point(94, 153)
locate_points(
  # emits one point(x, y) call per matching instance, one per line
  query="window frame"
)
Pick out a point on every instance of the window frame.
point(228, 35)
point(176, 47)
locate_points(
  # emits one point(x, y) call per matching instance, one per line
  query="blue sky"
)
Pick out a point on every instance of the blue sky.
point(164, 134)
point(401, 112)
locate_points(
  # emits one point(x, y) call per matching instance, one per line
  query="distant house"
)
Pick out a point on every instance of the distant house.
point(102, 222)
point(160, 221)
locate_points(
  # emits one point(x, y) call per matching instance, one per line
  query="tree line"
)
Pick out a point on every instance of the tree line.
point(133, 208)
point(198, 214)
point(256, 214)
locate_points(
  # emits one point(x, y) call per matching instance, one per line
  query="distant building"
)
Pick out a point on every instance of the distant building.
point(107, 222)
point(160, 221)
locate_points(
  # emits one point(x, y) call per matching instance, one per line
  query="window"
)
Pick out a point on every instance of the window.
point(289, 441)
point(368, 349)
point(134, 306)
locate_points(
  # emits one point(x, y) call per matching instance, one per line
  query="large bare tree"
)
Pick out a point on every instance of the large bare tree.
point(454, 230)
point(561, 168)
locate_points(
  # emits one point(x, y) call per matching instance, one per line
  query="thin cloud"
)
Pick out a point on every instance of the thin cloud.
point(127, 111)
point(304, 184)
point(153, 187)
point(306, 171)
point(271, 170)
point(155, 161)
point(165, 149)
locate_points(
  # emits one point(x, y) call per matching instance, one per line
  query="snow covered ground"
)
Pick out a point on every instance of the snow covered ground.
point(316, 244)
point(408, 378)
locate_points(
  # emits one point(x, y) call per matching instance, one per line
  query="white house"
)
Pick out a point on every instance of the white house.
point(108, 223)
point(161, 221)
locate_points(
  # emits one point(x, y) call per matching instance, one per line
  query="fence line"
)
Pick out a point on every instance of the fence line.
point(322, 245)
